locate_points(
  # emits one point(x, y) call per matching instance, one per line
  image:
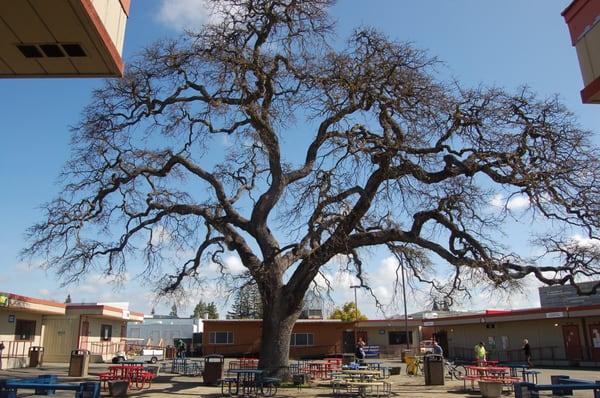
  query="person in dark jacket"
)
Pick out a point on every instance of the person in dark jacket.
point(527, 352)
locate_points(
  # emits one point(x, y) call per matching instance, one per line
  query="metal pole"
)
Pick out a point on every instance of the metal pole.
point(405, 312)
point(355, 311)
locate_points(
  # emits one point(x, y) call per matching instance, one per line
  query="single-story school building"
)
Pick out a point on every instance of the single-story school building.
point(310, 337)
point(98, 328)
point(28, 323)
point(558, 336)
point(22, 326)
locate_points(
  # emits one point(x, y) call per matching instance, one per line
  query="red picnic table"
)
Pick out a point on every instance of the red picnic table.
point(490, 373)
point(134, 374)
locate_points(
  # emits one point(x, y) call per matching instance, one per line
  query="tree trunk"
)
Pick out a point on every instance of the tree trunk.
point(279, 316)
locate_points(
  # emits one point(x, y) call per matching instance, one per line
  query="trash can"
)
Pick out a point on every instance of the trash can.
point(118, 388)
point(36, 355)
point(213, 369)
point(79, 363)
point(433, 367)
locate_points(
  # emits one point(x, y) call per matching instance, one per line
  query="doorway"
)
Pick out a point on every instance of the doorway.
point(348, 342)
point(572, 342)
point(83, 337)
point(595, 341)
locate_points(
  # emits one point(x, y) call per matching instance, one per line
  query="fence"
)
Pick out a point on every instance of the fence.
point(515, 355)
point(106, 347)
point(16, 349)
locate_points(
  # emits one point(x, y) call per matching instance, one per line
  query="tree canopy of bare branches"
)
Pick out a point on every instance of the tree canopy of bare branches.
point(255, 135)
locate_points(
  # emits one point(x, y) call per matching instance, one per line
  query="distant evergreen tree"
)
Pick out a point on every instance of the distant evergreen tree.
point(68, 299)
point(152, 311)
point(204, 308)
point(173, 310)
point(247, 303)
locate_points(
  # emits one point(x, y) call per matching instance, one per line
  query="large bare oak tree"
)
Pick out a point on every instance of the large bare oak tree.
point(255, 135)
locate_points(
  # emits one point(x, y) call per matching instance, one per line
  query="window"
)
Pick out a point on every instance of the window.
point(105, 332)
point(221, 338)
point(302, 339)
point(397, 338)
point(24, 330)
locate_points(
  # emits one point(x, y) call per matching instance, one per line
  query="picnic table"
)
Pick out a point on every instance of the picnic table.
point(362, 373)
point(249, 382)
point(361, 388)
point(489, 373)
point(136, 375)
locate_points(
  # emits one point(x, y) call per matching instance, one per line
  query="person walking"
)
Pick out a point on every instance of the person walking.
point(527, 352)
point(437, 349)
point(360, 350)
point(480, 353)
point(181, 349)
point(1, 349)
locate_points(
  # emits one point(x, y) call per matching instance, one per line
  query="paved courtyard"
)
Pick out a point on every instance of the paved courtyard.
point(403, 386)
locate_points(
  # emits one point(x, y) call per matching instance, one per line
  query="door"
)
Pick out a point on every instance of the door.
point(595, 341)
point(572, 342)
point(83, 337)
point(348, 339)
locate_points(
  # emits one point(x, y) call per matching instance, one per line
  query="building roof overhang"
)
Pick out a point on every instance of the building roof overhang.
point(62, 38)
point(17, 302)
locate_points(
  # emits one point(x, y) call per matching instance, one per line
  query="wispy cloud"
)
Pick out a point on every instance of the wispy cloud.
point(514, 203)
point(584, 242)
point(234, 265)
point(186, 14)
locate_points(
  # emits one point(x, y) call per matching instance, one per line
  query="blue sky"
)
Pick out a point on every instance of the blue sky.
point(506, 43)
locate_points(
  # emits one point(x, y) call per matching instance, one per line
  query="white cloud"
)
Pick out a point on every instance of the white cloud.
point(584, 242)
point(518, 202)
point(234, 265)
point(187, 14)
point(514, 203)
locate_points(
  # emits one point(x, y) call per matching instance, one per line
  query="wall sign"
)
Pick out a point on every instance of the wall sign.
point(555, 314)
point(381, 331)
point(11, 318)
point(3, 300)
point(429, 323)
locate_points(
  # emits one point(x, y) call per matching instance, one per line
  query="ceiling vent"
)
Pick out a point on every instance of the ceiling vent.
point(30, 51)
point(52, 50)
point(73, 50)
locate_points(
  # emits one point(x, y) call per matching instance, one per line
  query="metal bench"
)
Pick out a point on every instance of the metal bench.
point(9, 388)
point(562, 385)
point(371, 351)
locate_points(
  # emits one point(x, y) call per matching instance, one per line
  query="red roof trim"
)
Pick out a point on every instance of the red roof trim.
point(102, 307)
point(125, 5)
point(591, 90)
point(524, 311)
point(571, 7)
point(34, 300)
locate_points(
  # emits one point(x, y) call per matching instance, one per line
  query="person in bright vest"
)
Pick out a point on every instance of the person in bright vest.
point(480, 353)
